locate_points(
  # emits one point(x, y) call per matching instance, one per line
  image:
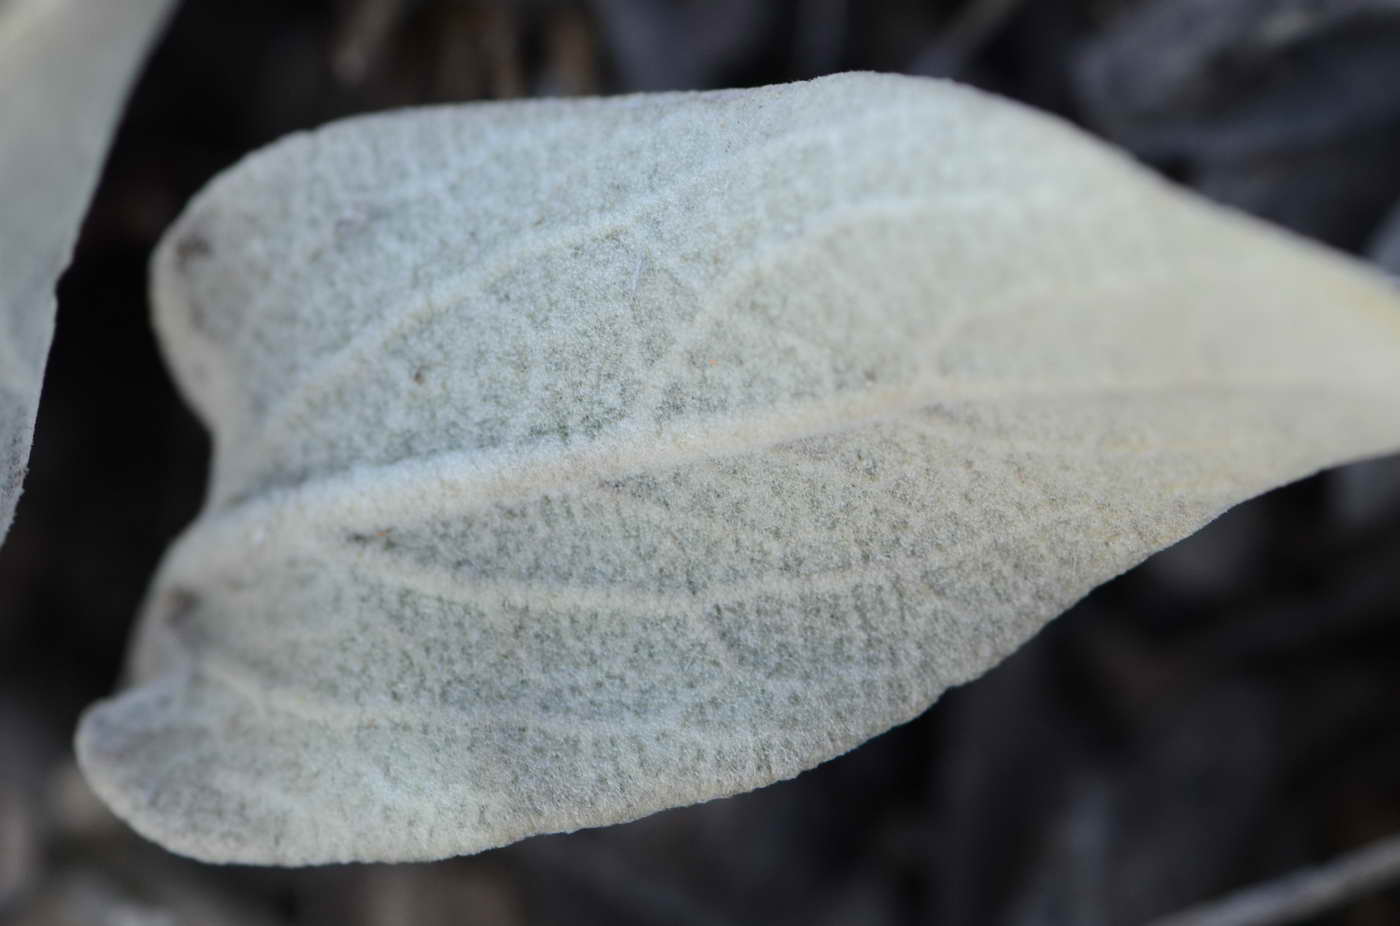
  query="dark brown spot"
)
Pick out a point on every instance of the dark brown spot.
point(180, 607)
point(193, 246)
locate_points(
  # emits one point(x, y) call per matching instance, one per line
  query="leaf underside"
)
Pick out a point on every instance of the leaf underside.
point(64, 69)
point(575, 460)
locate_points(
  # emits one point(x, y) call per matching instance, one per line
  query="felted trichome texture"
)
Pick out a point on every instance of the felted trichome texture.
point(64, 69)
point(576, 460)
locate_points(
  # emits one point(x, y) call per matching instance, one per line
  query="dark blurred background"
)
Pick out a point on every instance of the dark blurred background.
point(1227, 712)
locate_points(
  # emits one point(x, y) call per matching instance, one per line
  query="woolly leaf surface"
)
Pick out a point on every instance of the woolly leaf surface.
point(576, 460)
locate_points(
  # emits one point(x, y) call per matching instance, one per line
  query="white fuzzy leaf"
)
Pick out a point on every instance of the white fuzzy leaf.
point(64, 69)
point(580, 459)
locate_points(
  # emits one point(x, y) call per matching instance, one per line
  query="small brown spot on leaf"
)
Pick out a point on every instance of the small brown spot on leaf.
point(180, 607)
point(191, 247)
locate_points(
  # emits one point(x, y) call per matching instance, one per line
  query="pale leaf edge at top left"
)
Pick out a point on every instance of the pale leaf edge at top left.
point(65, 69)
